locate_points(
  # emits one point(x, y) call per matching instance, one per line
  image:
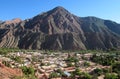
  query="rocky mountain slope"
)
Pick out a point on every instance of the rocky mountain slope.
point(59, 29)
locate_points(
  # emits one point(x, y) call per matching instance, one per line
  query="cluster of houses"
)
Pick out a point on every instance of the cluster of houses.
point(46, 63)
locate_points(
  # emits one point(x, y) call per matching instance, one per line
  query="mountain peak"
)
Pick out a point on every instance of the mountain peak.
point(59, 8)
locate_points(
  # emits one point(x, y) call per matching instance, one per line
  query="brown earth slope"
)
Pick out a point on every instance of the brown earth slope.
point(7, 73)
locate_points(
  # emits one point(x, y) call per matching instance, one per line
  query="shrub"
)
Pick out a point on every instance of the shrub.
point(28, 70)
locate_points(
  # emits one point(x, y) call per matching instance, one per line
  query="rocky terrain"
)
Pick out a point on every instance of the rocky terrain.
point(59, 29)
point(7, 73)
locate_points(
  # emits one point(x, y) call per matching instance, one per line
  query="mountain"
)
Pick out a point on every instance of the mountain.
point(58, 29)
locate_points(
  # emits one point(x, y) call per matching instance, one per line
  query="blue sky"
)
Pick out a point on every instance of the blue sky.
point(24, 9)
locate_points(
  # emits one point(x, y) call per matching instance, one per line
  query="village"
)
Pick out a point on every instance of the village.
point(45, 63)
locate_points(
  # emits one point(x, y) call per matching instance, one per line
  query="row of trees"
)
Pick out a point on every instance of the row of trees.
point(77, 73)
point(4, 51)
point(113, 72)
point(105, 60)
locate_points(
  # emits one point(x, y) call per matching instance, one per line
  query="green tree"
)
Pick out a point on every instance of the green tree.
point(98, 71)
point(72, 59)
point(62, 74)
point(76, 72)
point(53, 75)
point(70, 64)
point(106, 70)
point(116, 67)
point(86, 64)
point(103, 59)
point(110, 76)
point(86, 76)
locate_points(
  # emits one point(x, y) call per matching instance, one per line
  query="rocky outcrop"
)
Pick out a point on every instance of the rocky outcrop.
point(59, 29)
